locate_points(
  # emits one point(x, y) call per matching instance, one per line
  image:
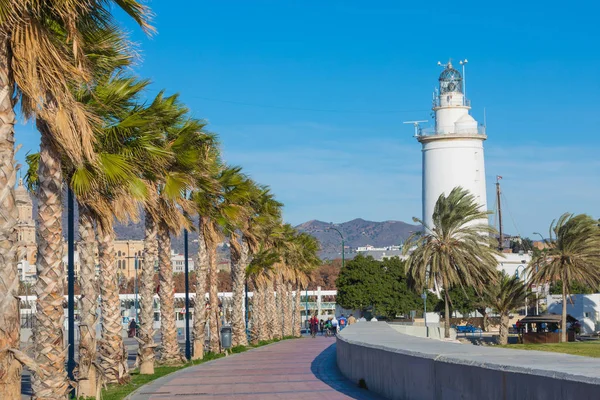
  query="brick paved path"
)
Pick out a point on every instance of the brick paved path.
point(293, 369)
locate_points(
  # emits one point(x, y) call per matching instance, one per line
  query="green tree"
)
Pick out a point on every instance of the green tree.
point(574, 288)
point(458, 250)
point(573, 256)
point(383, 285)
point(508, 294)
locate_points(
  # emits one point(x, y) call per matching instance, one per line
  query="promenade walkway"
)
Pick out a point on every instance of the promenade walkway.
point(292, 369)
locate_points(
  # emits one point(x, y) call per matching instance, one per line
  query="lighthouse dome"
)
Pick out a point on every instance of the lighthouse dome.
point(450, 80)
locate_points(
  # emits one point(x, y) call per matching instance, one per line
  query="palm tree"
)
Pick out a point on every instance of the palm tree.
point(307, 261)
point(258, 272)
point(507, 294)
point(220, 211)
point(42, 66)
point(572, 256)
point(262, 213)
point(456, 251)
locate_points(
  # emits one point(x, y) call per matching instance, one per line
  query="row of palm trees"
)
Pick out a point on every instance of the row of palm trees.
point(460, 250)
point(67, 64)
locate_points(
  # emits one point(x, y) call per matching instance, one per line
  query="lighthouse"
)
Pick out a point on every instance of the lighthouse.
point(453, 149)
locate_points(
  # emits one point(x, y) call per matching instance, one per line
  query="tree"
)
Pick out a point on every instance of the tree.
point(574, 288)
point(572, 256)
point(41, 58)
point(458, 250)
point(505, 296)
point(382, 285)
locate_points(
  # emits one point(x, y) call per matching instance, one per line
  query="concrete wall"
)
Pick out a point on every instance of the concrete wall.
point(435, 331)
point(399, 366)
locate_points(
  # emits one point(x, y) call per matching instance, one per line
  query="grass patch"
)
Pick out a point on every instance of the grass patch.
point(587, 349)
point(119, 392)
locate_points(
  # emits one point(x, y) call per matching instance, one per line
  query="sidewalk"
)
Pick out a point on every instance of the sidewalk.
point(292, 369)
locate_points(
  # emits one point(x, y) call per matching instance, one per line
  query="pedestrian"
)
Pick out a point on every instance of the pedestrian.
point(132, 326)
point(351, 320)
point(343, 322)
point(362, 319)
point(314, 325)
point(335, 324)
point(322, 327)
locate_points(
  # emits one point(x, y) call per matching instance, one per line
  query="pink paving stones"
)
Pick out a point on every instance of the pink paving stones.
point(292, 369)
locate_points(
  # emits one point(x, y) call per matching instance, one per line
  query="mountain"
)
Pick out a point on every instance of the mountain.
point(357, 232)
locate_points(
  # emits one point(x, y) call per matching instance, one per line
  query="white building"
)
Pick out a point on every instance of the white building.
point(453, 150)
point(178, 262)
point(584, 307)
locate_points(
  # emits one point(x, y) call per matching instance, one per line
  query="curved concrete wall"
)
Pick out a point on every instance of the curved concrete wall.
point(399, 366)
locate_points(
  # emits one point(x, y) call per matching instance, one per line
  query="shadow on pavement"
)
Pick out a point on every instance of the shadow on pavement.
point(325, 368)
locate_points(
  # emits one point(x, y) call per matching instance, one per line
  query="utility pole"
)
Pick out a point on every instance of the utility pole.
point(501, 237)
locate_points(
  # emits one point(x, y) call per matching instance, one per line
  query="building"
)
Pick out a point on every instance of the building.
point(128, 256)
point(178, 263)
point(26, 245)
point(453, 149)
point(583, 307)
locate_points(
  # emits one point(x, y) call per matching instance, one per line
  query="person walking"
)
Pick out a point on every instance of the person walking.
point(314, 325)
point(132, 328)
point(335, 325)
point(322, 327)
point(343, 322)
point(351, 320)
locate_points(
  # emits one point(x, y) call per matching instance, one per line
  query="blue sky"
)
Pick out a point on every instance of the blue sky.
point(309, 97)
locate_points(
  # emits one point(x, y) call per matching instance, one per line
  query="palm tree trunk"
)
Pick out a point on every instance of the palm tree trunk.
point(280, 305)
point(147, 346)
point(200, 299)
point(261, 313)
point(48, 332)
point(170, 354)
point(86, 373)
point(504, 321)
point(288, 317)
point(238, 278)
point(10, 328)
point(446, 315)
point(297, 313)
point(113, 356)
point(273, 320)
point(254, 324)
point(213, 298)
point(563, 328)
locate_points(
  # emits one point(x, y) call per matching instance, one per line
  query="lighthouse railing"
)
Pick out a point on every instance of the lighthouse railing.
point(432, 132)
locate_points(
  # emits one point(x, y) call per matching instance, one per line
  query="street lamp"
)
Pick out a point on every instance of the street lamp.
point(540, 235)
point(342, 236)
point(71, 282)
point(188, 353)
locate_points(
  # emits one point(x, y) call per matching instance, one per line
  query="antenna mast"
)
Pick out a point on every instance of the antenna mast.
point(501, 237)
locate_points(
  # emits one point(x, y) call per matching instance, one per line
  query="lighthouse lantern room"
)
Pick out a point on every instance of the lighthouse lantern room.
point(453, 150)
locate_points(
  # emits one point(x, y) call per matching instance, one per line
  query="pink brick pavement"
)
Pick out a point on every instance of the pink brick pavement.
point(293, 369)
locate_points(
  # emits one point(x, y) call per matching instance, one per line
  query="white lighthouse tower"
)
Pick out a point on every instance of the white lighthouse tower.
point(453, 150)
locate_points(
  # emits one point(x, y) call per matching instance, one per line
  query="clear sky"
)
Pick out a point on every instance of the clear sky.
point(309, 97)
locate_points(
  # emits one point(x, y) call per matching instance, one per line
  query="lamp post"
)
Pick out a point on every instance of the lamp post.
point(342, 236)
point(136, 265)
point(188, 353)
point(71, 282)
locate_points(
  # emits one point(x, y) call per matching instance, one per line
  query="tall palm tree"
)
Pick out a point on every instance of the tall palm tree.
point(508, 294)
point(40, 64)
point(258, 272)
point(307, 261)
point(456, 251)
point(572, 256)
point(220, 212)
point(262, 213)
point(105, 190)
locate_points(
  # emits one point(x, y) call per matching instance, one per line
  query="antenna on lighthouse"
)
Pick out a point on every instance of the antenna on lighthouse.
point(416, 125)
point(463, 63)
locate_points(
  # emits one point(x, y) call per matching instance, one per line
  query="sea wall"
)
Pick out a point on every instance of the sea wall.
point(400, 366)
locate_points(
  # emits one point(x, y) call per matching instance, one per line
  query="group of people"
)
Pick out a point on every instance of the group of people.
point(332, 325)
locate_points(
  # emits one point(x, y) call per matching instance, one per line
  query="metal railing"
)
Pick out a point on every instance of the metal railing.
point(452, 102)
point(433, 132)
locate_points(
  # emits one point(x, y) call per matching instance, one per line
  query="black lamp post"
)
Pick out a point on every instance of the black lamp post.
point(71, 284)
